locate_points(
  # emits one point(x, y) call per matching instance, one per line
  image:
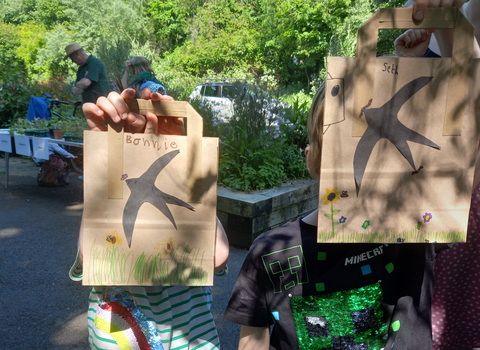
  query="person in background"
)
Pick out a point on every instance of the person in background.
point(92, 79)
point(144, 76)
point(54, 171)
point(455, 304)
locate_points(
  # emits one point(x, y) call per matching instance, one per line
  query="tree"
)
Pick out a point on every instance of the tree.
point(32, 38)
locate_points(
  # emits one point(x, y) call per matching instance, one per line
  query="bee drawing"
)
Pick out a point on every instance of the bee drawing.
point(111, 239)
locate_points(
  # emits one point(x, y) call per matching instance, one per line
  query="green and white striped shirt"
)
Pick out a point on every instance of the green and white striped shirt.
point(181, 315)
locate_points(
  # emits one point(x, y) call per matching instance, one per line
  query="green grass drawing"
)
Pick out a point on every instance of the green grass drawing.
point(115, 266)
point(410, 236)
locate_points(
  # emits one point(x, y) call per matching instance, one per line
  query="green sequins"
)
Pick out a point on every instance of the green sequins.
point(347, 320)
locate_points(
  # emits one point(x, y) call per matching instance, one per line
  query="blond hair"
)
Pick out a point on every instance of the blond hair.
point(315, 132)
point(140, 64)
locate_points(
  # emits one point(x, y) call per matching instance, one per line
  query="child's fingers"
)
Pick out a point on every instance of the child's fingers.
point(155, 96)
point(106, 104)
point(421, 35)
point(179, 121)
point(407, 38)
point(419, 9)
point(128, 94)
point(166, 98)
point(94, 116)
point(151, 125)
point(170, 126)
point(146, 94)
point(135, 123)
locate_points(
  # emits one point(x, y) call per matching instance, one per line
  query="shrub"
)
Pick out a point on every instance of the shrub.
point(17, 90)
point(254, 152)
point(211, 123)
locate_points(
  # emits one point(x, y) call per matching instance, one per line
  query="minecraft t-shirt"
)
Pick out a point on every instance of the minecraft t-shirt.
point(335, 296)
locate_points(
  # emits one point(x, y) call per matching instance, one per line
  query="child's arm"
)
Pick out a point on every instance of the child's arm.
point(254, 338)
point(222, 249)
point(125, 75)
point(442, 43)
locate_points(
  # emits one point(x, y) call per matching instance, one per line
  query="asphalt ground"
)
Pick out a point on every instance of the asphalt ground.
point(40, 307)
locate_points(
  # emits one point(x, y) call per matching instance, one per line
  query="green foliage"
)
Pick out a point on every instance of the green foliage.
point(69, 123)
point(17, 90)
point(17, 11)
point(14, 96)
point(57, 87)
point(114, 53)
point(169, 23)
point(93, 20)
point(294, 127)
point(32, 38)
point(253, 153)
point(51, 12)
point(50, 59)
point(283, 44)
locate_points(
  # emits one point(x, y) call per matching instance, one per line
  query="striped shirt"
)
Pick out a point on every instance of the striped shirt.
point(180, 314)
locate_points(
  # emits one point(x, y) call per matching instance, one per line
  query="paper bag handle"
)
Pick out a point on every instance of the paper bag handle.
point(401, 18)
point(165, 109)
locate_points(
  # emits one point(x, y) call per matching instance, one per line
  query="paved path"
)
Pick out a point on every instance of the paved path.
point(40, 307)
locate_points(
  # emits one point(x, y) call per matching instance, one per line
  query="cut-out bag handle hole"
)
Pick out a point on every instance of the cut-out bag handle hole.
point(165, 109)
point(401, 18)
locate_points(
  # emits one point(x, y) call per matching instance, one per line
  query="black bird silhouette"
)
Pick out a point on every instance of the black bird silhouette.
point(143, 190)
point(383, 123)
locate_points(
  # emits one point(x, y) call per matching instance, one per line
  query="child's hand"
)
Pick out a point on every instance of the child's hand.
point(115, 108)
point(412, 43)
point(420, 6)
point(161, 125)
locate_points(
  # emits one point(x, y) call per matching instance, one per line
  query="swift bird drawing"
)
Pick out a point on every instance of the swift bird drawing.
point(383, 123)
point(143, 190)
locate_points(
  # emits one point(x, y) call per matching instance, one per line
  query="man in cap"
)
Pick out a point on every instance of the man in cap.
point(92, 78)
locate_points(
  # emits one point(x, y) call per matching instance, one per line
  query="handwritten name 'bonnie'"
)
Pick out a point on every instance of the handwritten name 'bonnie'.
point(141, 141)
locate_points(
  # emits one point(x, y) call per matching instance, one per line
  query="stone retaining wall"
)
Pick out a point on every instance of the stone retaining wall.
point(246, 215)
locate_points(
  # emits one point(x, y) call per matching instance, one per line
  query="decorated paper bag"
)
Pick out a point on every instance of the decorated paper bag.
point(150, 203)
point(399, 139)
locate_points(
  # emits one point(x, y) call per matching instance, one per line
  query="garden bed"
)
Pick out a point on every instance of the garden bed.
point(246, 215)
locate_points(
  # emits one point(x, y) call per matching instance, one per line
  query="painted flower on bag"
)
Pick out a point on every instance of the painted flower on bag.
point(331, 196)
point(342, 220)
point(427, 217)
point(365, 224)
point(113, 239)
point(167, 247)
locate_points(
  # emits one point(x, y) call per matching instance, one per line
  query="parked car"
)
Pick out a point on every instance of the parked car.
point(223, 95)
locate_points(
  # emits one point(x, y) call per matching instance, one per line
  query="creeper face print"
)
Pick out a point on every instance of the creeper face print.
point(284, 268)
point(347, 320)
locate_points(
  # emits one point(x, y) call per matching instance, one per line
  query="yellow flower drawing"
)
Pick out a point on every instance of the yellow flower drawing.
point(331, 196)
point(113, 239)
point(167, 247)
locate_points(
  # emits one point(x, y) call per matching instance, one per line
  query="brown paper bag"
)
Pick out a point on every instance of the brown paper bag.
point(399, 139)
point(150, 203)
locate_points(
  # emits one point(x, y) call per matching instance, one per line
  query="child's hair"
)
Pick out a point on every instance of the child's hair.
point(315, 132)
point(140, 64)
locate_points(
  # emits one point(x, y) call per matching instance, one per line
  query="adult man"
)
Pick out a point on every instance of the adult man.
point(92, 78)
